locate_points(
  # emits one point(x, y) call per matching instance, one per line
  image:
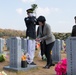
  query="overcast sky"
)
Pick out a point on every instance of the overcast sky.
point(59, 13)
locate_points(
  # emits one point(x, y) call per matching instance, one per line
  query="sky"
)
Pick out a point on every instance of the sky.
point(59, 13)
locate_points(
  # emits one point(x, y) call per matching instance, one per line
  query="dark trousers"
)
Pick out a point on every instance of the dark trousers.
point(42, 46)
point(47, 52)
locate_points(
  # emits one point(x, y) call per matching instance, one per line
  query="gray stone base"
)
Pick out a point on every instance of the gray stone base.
point(55, 62)
point(20, 69)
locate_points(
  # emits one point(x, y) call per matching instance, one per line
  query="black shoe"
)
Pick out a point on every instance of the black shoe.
point(46, 67)
point(52, 64)
point(32, 63)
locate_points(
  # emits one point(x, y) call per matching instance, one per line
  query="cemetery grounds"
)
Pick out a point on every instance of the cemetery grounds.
point(35, 71)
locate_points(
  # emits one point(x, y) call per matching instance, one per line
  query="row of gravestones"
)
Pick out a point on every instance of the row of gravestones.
point(71, 54)
point(14, 45)
point(7, 43)
point(24, 44)
point(17, 44)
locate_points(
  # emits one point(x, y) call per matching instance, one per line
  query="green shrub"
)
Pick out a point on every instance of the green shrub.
point(2, 58)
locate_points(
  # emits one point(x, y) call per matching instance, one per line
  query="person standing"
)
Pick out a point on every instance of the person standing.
point(30, 22)
point(47, 36)
point(73, 34)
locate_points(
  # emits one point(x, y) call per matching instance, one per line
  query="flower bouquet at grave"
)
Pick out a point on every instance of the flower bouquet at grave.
point(23, 58)
point(3, 73)
point(23, 61)
point(2, 58)
point(37, 45)
point(61, 67)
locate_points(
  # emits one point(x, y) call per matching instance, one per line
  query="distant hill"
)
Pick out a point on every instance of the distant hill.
point(5, 33)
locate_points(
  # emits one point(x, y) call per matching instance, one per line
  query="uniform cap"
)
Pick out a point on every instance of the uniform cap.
point(29, 10)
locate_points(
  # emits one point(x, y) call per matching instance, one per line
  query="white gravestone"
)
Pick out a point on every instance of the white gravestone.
point(71, 55)
point(56, 56)
point(2, 41)
point(15, 55)
point(8, 43)
point(15, 52)
point(62, 44)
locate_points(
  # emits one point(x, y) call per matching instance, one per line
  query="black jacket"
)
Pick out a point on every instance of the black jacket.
point(73, 34)
point(31, 27)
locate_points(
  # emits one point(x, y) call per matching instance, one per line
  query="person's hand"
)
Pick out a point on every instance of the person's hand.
point(38, 39)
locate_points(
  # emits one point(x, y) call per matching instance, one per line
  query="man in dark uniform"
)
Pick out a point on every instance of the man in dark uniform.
point(74, 29)
point(30, 22)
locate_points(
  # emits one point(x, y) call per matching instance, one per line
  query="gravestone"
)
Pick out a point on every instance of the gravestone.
point(2, 42)
point(24, 45)
point(71, 55)
point(15, 55)
point(62, 44)
point(8, 43)
point(15, 52)
point(56, 56)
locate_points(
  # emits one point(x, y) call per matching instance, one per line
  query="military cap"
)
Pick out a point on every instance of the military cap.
point(29, 10)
